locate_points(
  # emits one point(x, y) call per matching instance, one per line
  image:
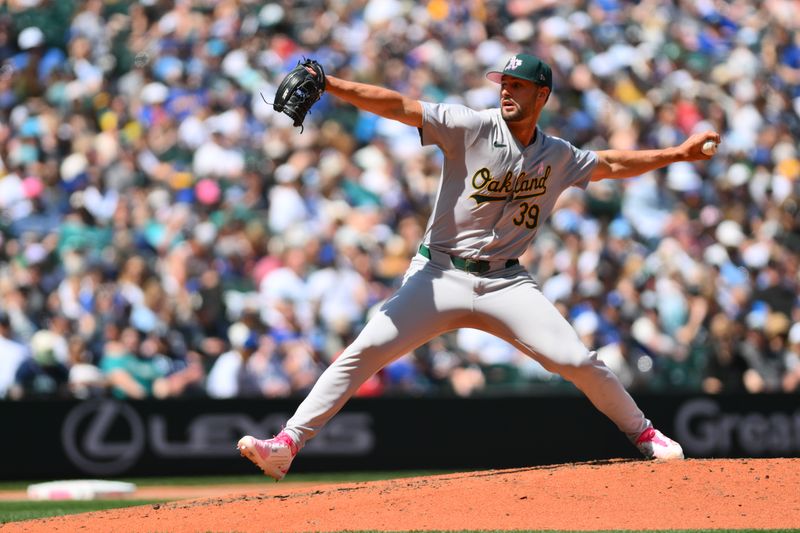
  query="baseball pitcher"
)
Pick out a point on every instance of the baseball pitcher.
point(500, 180)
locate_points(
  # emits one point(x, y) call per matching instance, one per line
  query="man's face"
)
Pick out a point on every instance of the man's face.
point(518, 98)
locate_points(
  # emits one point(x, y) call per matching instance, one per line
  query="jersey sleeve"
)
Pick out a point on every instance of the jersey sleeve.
point(451, 127)
point(580, 166)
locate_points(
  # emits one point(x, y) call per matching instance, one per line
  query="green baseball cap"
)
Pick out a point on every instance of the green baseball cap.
point(526, 67)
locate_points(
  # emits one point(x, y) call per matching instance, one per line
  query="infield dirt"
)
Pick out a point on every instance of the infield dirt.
point(617, 494)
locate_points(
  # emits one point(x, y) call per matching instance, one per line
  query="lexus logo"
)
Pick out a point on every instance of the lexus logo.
point(110, 437)
point(103, 438)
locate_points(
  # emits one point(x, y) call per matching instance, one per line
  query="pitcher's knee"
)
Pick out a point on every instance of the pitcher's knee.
point(577, 365)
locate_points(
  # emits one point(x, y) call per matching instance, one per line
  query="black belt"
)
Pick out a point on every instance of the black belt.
point(467, 265)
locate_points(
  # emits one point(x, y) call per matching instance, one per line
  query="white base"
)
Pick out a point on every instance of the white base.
point(80, 489)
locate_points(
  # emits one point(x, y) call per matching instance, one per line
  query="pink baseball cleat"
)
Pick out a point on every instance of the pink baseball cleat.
point(654, 445)
point(273, 456)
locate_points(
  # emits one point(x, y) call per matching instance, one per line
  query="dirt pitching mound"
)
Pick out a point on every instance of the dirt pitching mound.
point(619, 494)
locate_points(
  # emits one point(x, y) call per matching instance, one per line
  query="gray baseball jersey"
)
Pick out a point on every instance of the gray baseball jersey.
point(493, 197)
point(494, 193)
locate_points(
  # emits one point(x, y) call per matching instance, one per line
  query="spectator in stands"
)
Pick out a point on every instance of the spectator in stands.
point(85, 379)
point(791, 357)
point(130, 372)
point(42, 374)
point(13, 354)
point(248, 369)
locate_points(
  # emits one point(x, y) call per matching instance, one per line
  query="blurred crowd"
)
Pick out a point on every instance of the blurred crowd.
point(163, 232)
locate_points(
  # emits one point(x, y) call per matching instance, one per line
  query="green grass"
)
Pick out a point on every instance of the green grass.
point(255, 479)
point(12, 511)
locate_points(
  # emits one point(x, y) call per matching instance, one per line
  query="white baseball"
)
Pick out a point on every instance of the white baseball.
point(709, 148)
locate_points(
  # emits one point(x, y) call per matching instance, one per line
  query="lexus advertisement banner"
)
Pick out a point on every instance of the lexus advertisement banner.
point(109, 438)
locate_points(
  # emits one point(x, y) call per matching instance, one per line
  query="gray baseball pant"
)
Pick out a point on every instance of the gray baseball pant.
point(435, 298)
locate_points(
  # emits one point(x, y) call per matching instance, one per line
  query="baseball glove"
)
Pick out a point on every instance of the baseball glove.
point(299, 90)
